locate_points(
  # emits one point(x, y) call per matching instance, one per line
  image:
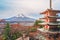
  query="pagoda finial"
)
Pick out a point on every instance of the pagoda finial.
point(50, 4)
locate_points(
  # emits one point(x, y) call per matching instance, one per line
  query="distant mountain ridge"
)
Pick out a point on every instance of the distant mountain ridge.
point(20, 18)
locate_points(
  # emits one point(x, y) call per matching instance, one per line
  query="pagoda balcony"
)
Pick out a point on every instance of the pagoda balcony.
point(42, 23)
point(52, 16)
point(53, 23)
point(49, 23)
point(58, 17)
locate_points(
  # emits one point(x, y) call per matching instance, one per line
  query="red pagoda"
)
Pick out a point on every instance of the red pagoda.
point(50, 30)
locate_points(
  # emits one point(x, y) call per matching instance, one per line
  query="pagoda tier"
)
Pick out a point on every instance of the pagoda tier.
point(44, 20)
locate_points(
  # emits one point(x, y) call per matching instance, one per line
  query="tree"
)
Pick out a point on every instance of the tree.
point(37, 23)
point(16, 35)
point(6, 35)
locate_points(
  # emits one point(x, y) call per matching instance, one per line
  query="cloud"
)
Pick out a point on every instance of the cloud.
point(30, 8)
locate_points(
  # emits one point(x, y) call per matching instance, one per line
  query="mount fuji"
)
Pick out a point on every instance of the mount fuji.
point(20, 18)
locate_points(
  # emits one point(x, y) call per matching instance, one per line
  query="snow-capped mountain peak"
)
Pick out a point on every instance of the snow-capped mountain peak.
point(21, 17)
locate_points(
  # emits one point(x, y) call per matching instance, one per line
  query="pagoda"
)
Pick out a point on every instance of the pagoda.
point(50, 30)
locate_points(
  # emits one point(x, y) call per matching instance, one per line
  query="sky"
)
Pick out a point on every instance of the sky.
point(30, 8)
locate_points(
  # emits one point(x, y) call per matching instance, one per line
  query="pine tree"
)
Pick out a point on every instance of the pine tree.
point(7, 32)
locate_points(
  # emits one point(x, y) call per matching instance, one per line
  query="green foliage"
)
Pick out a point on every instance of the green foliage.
point(33, 29)
point(7, 32)
point(58, 26)
point(37, 22)
point(41, 26)
point(16, 35)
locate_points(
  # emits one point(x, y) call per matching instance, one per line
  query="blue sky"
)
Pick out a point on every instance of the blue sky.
point(31, 8)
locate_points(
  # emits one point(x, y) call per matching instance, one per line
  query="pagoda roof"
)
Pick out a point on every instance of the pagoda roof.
point(57, 11)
